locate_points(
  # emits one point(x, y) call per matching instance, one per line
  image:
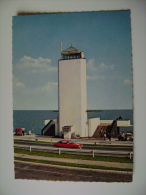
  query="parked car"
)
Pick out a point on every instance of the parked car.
point(68, 144)
point(19, 131)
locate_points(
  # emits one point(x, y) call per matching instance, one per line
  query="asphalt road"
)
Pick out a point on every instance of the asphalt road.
point(32, 171)
point(94, 147)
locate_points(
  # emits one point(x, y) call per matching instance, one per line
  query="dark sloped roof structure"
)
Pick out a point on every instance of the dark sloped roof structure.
point(70, 50)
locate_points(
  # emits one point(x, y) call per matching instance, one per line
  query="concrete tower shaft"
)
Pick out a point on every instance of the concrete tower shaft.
point(72, 92)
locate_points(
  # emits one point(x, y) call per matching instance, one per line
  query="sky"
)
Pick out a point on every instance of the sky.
point(103, 36)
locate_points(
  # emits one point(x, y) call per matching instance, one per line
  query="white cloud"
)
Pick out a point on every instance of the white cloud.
point(127, 82)
point(31, 62)
point(112, 66)
point(103, 66)
point(20, 87)
point(37, 97)
point(90, 65)
point(98, 72)
point(50, 86)
point(39, 65)
point(95, 77)
point(19, 84)
point(94, 68)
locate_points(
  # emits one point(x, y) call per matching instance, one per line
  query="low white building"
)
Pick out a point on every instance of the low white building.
point(95, 128)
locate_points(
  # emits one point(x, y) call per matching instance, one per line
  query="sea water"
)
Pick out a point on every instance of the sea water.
point(33, 120)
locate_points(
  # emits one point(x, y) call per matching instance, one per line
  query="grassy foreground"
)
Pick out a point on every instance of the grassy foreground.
point(72, 164)
point(74, 156)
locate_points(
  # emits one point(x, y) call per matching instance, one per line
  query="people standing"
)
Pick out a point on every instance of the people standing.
point(105, 135)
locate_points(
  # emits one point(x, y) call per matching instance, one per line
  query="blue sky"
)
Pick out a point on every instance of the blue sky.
point(105, 38)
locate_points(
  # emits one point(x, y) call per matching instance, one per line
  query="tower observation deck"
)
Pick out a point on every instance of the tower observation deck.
point(72, 53)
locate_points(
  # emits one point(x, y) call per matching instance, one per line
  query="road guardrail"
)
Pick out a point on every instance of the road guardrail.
point(78, 151)
point(91, 142)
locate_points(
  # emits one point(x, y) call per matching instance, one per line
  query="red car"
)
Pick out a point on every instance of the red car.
point(68, 144)
point(19, 131)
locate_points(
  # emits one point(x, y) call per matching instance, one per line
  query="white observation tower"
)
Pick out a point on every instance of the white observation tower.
point(72, 99)
point(72, 93)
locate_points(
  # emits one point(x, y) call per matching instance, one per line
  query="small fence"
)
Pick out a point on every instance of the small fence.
point(91, 142)
point(77, 151)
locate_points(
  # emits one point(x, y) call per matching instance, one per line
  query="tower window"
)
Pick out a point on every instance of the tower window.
point(74, 56)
